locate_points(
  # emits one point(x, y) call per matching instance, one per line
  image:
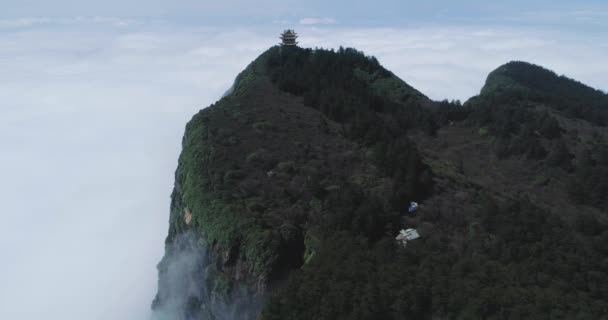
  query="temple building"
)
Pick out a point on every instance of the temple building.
point(407, 235)
point(288, 38)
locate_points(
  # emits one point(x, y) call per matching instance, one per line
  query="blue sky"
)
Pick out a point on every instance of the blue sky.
point(349, 13)
point(94, 97)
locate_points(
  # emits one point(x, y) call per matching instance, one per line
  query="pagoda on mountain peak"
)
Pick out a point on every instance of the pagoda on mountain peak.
point(288, 38)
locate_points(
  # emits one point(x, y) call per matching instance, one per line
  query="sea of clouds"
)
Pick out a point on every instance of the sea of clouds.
point(92, 111)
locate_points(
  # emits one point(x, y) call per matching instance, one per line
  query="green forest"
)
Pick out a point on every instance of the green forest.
point(301, 178)
point(513, 260)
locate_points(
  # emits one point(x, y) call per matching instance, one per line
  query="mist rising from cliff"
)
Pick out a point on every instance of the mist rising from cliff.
point(181, 280)
point(184, 291)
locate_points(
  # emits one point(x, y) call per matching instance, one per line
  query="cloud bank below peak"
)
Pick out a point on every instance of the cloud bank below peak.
point(105, 107)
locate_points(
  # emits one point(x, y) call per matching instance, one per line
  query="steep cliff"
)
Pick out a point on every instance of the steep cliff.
point(254, 172)
point(290, 190)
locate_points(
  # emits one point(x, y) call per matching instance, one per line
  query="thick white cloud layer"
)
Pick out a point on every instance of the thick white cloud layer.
point(90, 130)
point(91, 119)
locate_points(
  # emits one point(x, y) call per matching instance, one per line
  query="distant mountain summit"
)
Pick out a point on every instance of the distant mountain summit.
point(293, 196)
point(525, 81)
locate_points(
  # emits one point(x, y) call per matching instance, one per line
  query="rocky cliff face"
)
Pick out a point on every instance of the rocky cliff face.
point(290, 189)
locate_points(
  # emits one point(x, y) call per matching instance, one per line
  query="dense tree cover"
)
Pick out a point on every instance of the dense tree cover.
point(517, 261)
point(508, 109)
point(319, 206)
point(517, 81)
point(589, 184)
point(449, 111)
point(258, 203)
point(518, 129)
point(327, 81)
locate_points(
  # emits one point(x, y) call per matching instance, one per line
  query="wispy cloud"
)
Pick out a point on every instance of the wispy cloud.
point(599, 15)
point(585, 18)
point(80, 21)
point(313, 21)
point(514, 44)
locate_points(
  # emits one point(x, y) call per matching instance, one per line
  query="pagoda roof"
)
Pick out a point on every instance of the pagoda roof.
point(289, 37)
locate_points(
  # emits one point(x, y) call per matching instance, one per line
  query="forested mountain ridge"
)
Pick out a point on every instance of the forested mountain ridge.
point(291, 189)
point(518, 80)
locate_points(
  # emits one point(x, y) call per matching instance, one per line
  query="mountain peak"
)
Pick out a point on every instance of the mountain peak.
point(301, 71)
point(291, 191)
point(509, 77)
point(519, 81)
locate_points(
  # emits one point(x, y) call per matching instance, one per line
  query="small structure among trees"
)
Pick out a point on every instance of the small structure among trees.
point(413, 207)
point(288, 38)
point(407, 235)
